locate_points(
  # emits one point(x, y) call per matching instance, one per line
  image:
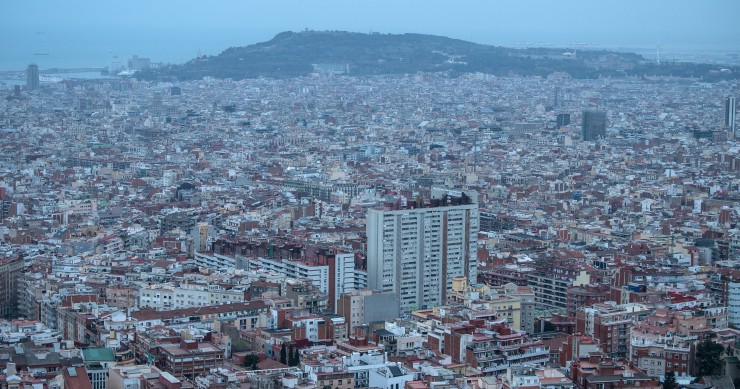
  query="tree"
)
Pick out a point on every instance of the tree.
point(708, 358)
point(294, 358)
point(283, 355)
point(251, 361)
point(669, 382)
point(290, 356)
point(239, 345)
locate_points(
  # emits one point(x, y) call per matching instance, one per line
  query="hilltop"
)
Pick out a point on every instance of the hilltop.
point(291, 54)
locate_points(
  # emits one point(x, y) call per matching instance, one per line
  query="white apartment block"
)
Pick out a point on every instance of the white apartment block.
point(215, 261)
point(415, 253)
point(334, 278)
point(733, 303)
point(167, 297)
point(78, 207)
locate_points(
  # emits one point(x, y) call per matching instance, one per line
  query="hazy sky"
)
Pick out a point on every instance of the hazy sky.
point(86, 32)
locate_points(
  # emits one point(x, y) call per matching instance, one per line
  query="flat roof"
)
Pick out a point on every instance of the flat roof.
point(98, 354)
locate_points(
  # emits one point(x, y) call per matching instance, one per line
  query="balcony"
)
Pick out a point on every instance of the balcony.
point(488, 358)
point(509, 348)
point(532, 353)
point(677, 349)
point(478, 346)
point(494, 368)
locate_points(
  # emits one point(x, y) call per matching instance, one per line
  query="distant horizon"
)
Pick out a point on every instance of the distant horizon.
point(89, 33)
point(101, 57)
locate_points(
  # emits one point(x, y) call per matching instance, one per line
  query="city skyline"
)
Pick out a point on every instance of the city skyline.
point(91, 34)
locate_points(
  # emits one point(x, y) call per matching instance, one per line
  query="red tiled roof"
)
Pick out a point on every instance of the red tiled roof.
point(76, 377)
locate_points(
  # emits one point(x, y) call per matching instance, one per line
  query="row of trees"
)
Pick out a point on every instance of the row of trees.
point(289, 356)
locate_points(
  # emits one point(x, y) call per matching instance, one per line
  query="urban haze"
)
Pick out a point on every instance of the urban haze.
point(369, 194)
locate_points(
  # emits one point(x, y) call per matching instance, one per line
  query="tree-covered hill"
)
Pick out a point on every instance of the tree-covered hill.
point(291, 54)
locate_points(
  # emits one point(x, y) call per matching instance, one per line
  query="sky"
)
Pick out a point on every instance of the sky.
point(82, 33)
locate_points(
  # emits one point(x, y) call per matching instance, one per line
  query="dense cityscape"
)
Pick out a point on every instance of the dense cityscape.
point(423, 230)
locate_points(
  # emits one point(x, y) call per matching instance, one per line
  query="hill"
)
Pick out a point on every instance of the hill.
point(291, 54)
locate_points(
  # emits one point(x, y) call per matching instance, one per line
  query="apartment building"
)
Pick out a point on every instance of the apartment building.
point(415, 252)
point(610, 324)
point(166, 296)
point(332, 273)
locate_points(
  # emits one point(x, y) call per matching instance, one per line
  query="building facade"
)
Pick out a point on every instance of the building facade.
point(593, 125)
point(32, 77)
point(730, 112)
point(611, 324)
point(416, 252)
point(10, 271)
point(733, 303)
point(365, 306)
point(332, 273)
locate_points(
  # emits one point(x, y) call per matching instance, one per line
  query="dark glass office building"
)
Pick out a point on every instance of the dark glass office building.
point(593, 125)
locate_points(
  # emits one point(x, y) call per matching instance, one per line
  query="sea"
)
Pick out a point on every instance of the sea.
point(72, 49)
point(17, 59)
point(78, 62)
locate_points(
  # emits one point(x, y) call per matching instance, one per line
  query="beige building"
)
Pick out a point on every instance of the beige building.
point(335, 380)
point(366, 306)
point(483, 298)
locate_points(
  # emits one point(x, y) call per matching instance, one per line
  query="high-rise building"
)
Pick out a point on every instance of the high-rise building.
point(157, 106)
point(562, 120)
point(415, 252)
point(730, 112)
point(10, 270)
point(32, 77)
point(557, 98)
point(593, 125)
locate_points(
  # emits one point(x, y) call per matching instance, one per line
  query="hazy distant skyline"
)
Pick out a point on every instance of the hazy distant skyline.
point(89, 33)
